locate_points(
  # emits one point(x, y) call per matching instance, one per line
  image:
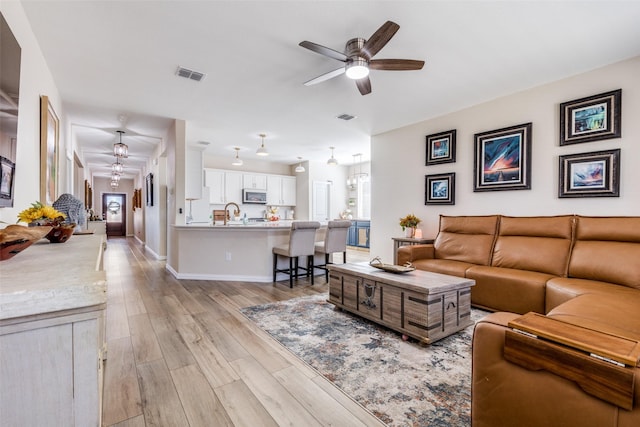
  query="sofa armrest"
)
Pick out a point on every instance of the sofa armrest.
point(411, 253)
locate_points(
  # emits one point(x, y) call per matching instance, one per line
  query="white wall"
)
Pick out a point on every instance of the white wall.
point(398, 158)
point(35, 80)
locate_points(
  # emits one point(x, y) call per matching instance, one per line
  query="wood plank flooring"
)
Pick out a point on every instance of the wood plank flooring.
point(179, 353)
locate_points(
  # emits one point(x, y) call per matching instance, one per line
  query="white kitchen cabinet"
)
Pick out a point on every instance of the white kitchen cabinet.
point(224, 186)
point(254, 181)
point(52, 339)
point(233, 187)
point(281, 190)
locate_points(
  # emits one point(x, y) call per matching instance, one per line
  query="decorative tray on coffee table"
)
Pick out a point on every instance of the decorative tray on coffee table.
point(391, 268)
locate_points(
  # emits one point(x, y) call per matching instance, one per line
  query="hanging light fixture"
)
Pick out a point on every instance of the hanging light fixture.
point(115, 177)
point(120, 150)
point(114, 184)
point(300, 168)
point(237, 161)
point(117, 167)
point(357, 175)
point(332, 161)
point(262, 151)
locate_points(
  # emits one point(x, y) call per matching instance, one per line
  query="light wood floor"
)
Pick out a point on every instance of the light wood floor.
point(181, 354)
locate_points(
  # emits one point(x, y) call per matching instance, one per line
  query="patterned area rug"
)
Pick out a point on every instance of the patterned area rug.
point(402, 383)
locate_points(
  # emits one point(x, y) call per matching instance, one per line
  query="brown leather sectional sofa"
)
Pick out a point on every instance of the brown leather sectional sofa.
point(580, 270)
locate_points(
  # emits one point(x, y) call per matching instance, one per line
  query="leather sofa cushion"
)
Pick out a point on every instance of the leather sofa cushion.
point(506, 289)
point(540, 244)
point(411, 253)
point(443, 266)
point(562, 289)
point(617, 313)
point(466, 238)
point(607, 249)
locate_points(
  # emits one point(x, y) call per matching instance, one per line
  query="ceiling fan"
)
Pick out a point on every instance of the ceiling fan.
point(357, 56)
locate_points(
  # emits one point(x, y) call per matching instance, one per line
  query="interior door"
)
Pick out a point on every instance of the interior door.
point(114, 209)
point(320, 201)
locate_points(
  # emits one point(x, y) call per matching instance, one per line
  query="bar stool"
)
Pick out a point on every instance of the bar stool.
point(301, 243)
point(334, 241)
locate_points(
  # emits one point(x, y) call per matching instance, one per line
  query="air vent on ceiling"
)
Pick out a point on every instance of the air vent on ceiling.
point(190, 74)
point(346, 117)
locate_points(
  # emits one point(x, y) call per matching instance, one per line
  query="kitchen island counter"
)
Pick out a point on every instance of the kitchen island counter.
point(232, 252)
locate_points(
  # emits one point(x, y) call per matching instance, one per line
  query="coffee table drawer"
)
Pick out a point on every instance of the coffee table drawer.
point(438, 315)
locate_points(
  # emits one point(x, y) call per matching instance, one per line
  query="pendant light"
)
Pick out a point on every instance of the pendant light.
point(115, 177)
point(237, 161)
point(262, 151)
point(114, 184)
point(300, 168)
point(120, 150)
point(117, 167)
point(332, 161)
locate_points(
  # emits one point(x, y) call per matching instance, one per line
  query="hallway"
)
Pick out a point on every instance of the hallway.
point(181, 354)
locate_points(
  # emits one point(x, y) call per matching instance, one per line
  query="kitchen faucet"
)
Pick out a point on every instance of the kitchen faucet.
point(236, 211)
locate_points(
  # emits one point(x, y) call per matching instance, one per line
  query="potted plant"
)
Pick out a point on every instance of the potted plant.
point(409, 224)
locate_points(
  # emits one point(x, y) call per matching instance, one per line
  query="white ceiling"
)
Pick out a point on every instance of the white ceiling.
point(114, 63)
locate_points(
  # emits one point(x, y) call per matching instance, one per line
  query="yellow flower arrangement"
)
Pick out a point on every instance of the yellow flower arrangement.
point(40, 212)
point(410, 221)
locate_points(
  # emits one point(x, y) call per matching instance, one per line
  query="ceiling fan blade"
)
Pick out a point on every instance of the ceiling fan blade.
point(322, 50)
point(396, 64)
point(325, 76)
point(378, 39)
point(364, 85)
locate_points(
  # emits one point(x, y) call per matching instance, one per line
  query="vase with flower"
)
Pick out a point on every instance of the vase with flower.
point(409, 224)
point(43, 215)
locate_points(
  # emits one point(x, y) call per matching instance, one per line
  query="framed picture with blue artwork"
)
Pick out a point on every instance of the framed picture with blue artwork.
point(595, 174)
point(440, 189)
point(593, 118)
point(503, 159)
point(441, 148)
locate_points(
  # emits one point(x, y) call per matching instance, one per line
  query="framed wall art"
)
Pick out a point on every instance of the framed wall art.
point(441, 148)
point(440, 189)
point(149, 189)
point(49, 140)
point(592, 118)
point(595, 174)
point(7, 174)
point(503, 159)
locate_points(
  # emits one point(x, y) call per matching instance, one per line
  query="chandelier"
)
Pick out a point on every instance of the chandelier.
point(120, 150)
point(356, 177)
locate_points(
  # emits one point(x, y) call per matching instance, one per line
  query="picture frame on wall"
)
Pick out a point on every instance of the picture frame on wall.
point(149, 189)
point(441, 148)
point(593, 118)
point(503, 159)
point(49, 149)
point(440, 189)
point(595, 174)
point(7, 178)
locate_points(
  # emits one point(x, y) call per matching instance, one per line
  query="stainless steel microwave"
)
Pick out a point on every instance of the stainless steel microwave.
point(258, 197)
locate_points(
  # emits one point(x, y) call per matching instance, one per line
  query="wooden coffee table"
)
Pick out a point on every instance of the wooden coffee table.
point(423, 305)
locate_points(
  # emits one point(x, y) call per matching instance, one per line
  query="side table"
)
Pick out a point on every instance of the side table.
point(403, 241)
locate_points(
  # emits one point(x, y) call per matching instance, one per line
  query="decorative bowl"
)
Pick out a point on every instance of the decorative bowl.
point(16, 238)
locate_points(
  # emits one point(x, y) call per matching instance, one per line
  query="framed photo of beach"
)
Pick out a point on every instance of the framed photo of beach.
point(595, 174)
point(441, 148)
point(593, 118)
point(503, 159)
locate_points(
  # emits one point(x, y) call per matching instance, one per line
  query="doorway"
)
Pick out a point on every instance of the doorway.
point(321, 201)
point(114, 211)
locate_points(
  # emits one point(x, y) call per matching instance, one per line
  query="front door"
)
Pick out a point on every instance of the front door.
point(114, 209)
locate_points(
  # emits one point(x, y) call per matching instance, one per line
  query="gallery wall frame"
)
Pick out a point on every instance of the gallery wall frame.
point(440, 189)
point(594, 174)
point(49, 151)
point(441, 148)
point(7, 178)
point(593, 118)
point(503, 159)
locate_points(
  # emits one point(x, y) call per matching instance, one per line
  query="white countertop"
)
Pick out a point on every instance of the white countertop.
point(238, 225)
point(50, 277)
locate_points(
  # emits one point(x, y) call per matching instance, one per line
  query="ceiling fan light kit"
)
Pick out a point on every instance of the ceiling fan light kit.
point(357, 57)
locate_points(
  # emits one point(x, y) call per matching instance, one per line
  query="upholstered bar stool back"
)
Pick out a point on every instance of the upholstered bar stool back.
point(302, 238)
point(335, 240)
